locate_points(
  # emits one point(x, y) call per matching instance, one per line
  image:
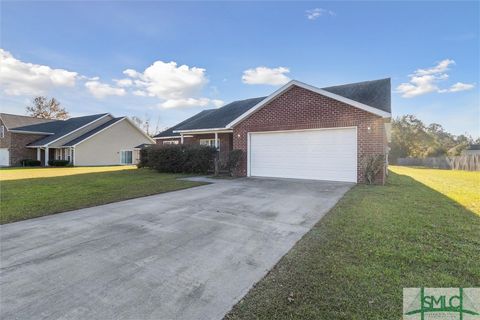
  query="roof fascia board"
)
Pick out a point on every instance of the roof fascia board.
point(261, 104)
point(87, 138)
point(140, 130)
point(31, 132)
point(207, 130)
point(171, 137)
point(85, 125)
point(359, 105)
point(287, 86)
point(111, 125)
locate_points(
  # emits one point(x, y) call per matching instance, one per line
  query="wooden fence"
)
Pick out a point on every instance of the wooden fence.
point(464, 162)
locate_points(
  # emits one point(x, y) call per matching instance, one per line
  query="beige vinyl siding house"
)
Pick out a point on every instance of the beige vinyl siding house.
point(92, 140)
point(101, 149)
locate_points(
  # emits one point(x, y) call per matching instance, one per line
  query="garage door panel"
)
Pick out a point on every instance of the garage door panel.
point(315, 154)
point(4, 157)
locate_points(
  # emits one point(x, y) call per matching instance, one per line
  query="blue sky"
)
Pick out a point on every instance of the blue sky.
point(224, 51)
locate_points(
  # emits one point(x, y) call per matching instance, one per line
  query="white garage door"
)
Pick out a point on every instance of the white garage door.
point(326, 154)
point(4, 157)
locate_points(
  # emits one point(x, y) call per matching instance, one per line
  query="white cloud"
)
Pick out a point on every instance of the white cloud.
point(264, 75)
point(123, 82)
point(22, 78)
point(191, 102)
point(140, 93)
point(131, 73)
point(424, 81)
point(314, 14)
point(166, 80)
point(441, 67)
point(101, 90)
point(459, 86)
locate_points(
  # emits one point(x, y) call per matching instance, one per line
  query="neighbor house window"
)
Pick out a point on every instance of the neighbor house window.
point(126, 157)
point(170, 142)
point(210, 143)
point(2, 132)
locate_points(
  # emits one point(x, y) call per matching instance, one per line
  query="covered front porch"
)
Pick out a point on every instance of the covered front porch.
point(45, 154)
point(221, 140)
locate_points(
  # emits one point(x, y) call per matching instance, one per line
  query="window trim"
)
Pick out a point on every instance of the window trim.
point(2, 131)
point(131, 158)
point(210, 143)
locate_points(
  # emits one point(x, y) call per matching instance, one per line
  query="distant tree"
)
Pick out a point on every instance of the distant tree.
point(44, 108)
point(143, 124)
point(411, 138)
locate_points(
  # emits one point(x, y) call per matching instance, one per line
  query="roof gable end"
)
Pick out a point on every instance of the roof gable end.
point(323, 92)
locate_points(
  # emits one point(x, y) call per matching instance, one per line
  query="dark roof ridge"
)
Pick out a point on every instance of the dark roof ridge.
point(356, 83)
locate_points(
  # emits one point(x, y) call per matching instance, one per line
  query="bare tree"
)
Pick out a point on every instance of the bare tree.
point(143, 124)
point(47, 109)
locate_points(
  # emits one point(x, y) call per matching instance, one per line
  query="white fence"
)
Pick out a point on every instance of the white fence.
point(465, 162)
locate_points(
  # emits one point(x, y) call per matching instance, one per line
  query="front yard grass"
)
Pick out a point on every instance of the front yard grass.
point(376, 241)
point(29, 198)
point(16, 173)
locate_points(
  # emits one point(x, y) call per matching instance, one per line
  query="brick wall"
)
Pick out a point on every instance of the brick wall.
point(16, 142)
point(299, 108)
point(226, 141)
point(18, 151)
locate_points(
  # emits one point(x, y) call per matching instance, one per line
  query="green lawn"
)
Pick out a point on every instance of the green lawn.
point(15, 173)
point(377, 240)
point(29, 198)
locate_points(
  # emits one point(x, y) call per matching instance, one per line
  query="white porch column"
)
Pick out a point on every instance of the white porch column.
point(46, 156)
point(216, 140)
point(39, 154)
point(181, 138)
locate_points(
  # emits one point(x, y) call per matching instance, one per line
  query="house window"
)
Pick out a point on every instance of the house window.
point(126, 157)
point(210, 143)
point(170, 142)
point(2, 131)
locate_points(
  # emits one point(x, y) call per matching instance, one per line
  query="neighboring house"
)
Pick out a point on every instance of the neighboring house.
point(299, 131)
point(472, 149)
point(93, 140)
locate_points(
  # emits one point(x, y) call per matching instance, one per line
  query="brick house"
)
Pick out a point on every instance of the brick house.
point(99, 139)
point(299, 131)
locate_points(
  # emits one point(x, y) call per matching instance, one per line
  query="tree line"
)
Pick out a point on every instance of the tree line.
point(412, 138)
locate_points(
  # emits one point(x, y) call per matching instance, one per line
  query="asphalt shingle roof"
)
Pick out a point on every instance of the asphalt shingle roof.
point(59, 128)
point(169, 132)
point(220, 117)
point(92, 132)
point(12, 121)
point(375, 93)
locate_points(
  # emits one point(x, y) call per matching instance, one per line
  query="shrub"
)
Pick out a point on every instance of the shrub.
point(30, 163)
point(179, 158)
point(58, 163)
point(233, 161)
point(143, 161)
point(372, 165)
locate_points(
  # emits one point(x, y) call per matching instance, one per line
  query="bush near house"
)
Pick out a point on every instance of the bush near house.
point(58, 163)
point(232, 162)
point(30, 163)
point(178, 158)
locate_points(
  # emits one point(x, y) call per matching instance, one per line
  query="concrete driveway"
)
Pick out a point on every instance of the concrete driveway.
point(189, 254)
